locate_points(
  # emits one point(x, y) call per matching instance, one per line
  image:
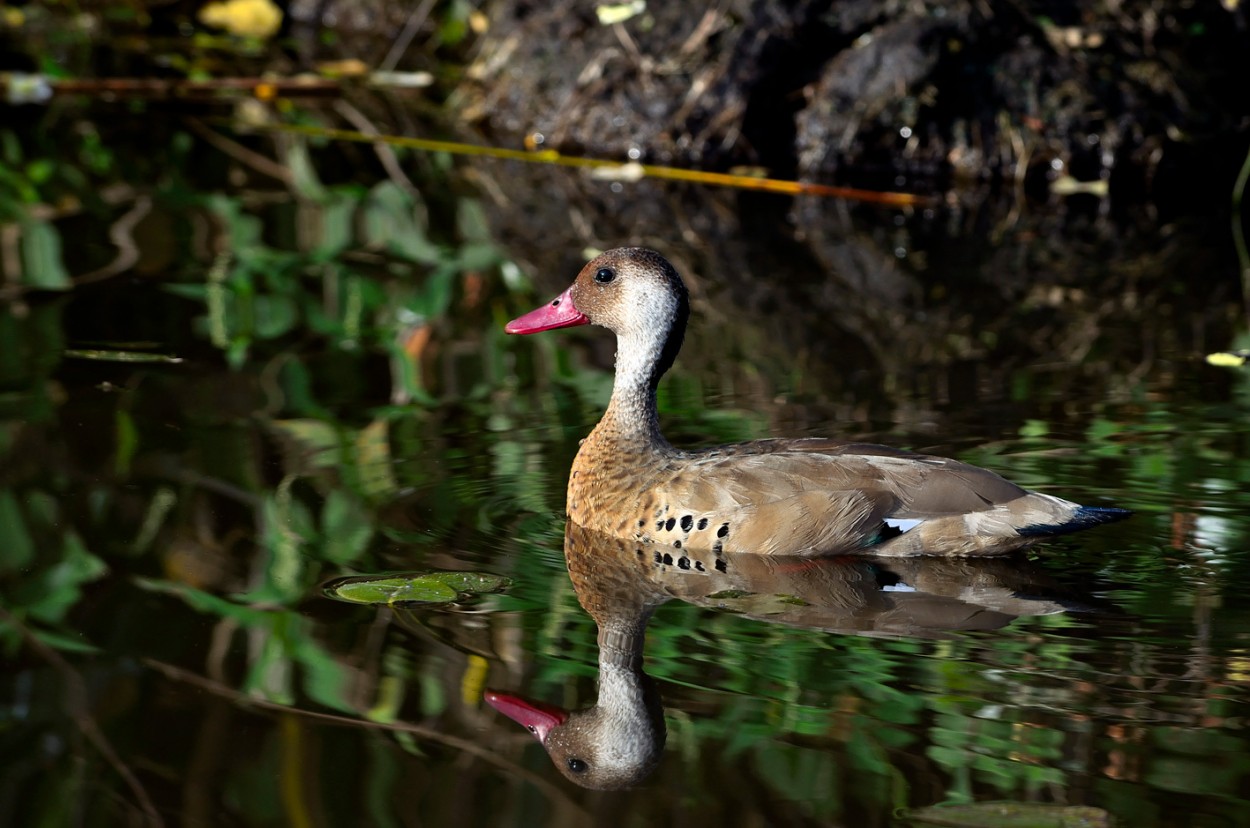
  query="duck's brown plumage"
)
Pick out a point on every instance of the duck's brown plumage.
point(805, 496)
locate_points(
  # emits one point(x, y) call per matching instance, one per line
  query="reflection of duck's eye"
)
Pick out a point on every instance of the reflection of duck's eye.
point(578, 766)
point(532, 729)
point(604, 275)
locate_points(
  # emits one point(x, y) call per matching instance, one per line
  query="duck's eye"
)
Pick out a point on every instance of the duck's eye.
point(578, 766)
point(604, 275)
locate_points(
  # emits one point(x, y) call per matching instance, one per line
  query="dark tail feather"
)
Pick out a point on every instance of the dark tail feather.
point(1085, 517)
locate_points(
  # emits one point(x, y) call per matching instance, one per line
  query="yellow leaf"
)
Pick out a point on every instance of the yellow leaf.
point(1228, 359)
point(610, 13)
point(244, 18)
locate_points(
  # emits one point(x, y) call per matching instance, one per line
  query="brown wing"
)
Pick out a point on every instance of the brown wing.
point(814, 496)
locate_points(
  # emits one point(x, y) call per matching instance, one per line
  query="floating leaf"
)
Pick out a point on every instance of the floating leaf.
point(474, 583)
point(392, 590)
point(426, 588)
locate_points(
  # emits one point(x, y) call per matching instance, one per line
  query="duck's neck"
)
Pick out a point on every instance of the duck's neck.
point(642, 357)
point(628, 698)
point(621, 642)
point(631, 415)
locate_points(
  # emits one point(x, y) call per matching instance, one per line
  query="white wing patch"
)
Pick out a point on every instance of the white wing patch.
point(902, 524)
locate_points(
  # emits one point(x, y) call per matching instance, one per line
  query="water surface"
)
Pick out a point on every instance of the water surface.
point(346, 403)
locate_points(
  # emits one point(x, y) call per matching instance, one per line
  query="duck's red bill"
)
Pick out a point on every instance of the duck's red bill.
point(558, 313)
point(537, 717)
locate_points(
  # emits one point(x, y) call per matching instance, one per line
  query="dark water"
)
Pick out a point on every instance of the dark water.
point(346, 403)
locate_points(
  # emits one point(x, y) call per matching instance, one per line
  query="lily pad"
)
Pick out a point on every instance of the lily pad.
point(414, 588)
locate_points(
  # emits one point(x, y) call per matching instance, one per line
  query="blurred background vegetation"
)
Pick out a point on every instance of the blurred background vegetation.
point(237, 362)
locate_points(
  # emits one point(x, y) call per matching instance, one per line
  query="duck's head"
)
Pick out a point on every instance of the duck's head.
point(633, 292)
point(606, 747)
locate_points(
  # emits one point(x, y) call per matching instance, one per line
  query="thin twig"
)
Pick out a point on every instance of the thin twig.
point(76, 706)
point(648, 170)
point(711, 22)
point(386, 155)
point(242, 154)
point(415, 21)
point(185, 88)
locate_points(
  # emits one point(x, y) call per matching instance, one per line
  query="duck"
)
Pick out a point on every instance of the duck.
point(619, 741)
point(783, 496)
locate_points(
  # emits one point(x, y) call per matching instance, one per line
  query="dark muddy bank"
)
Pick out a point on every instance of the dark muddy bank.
point(1140, 97)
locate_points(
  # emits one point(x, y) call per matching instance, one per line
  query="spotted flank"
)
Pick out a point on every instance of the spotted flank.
point(678, 530)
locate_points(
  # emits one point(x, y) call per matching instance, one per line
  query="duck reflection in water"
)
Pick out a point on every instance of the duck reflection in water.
point(620, 740)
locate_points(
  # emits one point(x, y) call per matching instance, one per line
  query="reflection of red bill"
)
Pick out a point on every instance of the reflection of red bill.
point(558, 313)
point(536, 717)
